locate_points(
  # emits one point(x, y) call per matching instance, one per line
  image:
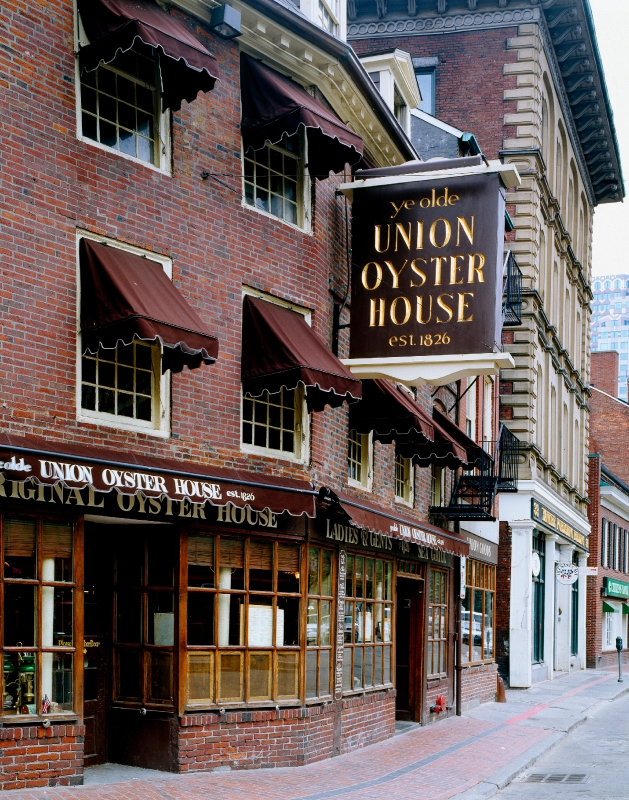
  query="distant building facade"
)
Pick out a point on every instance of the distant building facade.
point(610, 322)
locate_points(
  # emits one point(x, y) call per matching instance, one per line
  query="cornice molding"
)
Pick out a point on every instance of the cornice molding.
point(446, 23)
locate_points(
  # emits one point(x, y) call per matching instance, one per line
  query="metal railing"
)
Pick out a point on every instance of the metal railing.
point(511, 292)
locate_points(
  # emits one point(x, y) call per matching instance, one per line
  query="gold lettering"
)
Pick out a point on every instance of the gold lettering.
point(393, 341)
point(377, 239)
point(155, 505)
point(121, 501)
point(462, 306)
point(397, 209)
point(407, 310)
point(454, 269)
point(184, 507)
point(75, 495)
point(395, 274)
point(2, 491)
point(198, 511)
point(91, 498)
point(461, 222)
point(142, 502)
point(420, 306)
point(400, 230)
point(379, 311)
point(446, 308)
point(454, 199)
point(473, 269)
point(447, 232)
point(438, 266)
point(418, 271)
point(365, 276)
point(23, 491)
point(420, 235)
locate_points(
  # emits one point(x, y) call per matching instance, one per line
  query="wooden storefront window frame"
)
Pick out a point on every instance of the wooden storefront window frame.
point(384, 602)
point(331, 598)
point(430, 639)
point(481, 576)
point(77, 616)
point(185, 707)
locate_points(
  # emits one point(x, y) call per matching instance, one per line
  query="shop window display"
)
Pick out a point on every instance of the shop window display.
point(477, 622)
point(319, 623)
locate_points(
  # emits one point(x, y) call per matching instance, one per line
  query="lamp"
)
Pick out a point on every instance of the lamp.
point(225, 22)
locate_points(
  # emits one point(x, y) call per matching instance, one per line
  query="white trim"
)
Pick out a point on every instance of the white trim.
point(437, 123)
point(304, 434)
point(367, 464)
point(278, 301)
point(411, 479)
point(615, 500)
point(161, 405)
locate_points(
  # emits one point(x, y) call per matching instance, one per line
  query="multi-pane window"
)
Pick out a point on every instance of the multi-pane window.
point(438, 483)
point(327, 16)
point(477, 610)
point(123, 381)
point(359, 459)
point(426, 83)
point(604, 542)
point(404, 480)
point(274, 421)
point(437, 623)
point(319, 623)
point(243, 620)
point(38, 620)
point(120, 105)
point(368, 623)
point(273, 179)
point(144, 619)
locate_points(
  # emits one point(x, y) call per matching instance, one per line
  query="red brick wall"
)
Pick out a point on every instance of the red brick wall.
point(469, 78)
point(479, 683)
point(604, 371)
point(284, 738)
point(34, 756)
point(503, 600)
point(609, 432)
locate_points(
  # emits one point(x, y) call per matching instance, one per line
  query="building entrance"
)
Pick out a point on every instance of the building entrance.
point(409, 649)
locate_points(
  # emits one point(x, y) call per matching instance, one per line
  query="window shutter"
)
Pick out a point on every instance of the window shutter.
point(20, 536)
point(232, 553)
point(287, 558)
point(201, 551)
point(604, 544)
point(260, 555)
point(57, 540)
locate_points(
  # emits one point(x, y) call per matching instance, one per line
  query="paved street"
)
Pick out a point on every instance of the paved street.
point(476, 755)
point(590, 762)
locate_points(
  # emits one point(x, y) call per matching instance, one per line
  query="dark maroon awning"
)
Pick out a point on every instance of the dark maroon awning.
point(126, 297)
point(445, 450)
point(391, 413)
point(274, 106)
point(369, 516)
point(280, 349)
point(452, 430)
point(115, 26)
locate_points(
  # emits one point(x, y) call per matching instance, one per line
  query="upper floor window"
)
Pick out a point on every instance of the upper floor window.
point(359, 447)
point(597, 285)
point(275, 423)
point(404, 480)
point(426, 83)
point(328, 16)
point(400, 109)
point(120, 107)
point(274, 179)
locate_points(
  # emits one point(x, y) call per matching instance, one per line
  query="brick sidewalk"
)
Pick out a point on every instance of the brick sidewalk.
point(429, 763)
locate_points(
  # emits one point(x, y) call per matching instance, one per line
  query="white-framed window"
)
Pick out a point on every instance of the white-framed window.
point(609, 630)
point(119, 108)
point(426, 83)
point(438, 484)
point(604, 545)
point(400, 109)
point(123, 387)
point(275, 424)
point(276, 180)
point(359, 460)
point(470, 408)
point(328, 16)
point(404, 480)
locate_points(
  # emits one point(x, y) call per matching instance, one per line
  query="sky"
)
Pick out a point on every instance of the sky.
point(611, 220)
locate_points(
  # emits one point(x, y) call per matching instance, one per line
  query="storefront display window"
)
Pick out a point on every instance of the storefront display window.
point(437, 623)
point(243, 620)
point(477, 612)
point(38, 616)
point(368, 623)
point(319, 623)
point(539, 544)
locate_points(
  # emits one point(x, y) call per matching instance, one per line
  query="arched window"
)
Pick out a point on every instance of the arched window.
point(616, 284)
point(597, 285)
point(608, 284)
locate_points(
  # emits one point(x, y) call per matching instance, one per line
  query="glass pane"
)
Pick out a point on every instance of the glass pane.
point(231, 619)
point(57, 552)
point(349, 623)
point(260, 627)
point(232, 564)
point(369, 569)
point(387, 665)
point(377, 676)
point(378, 622)
point(359, 630)
point(288, 568)
point(369, 622)
point(128, 616)
point(201, 618)
point(201, 561)
point(311, 673)
point(200, 677)
point(127, 675)
point(312, 626)
point(20, 536)
point(388, 617)
point(358, 667)
point(20, 615)
point(368, 666)
point(230, 677)
point(260, 676)
point(388, 577)
point(347, 670)
point(359, 576)
point(160, 676)
point(287, 675)
point(61, 616)
point(477, 626)
point(379, 581)
point(20, 683)
point(324, 622)
point(260, 567)
point(161, 559)
point(349, 577)
point(324, 672)
point(489, 625)
point(313, 570)
point(287, 622)
point(161, 618)
point(61, 696)
point(130, 560)
point(465, 626)
point(326, 573)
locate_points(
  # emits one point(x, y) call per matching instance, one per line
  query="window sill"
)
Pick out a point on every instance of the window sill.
point(282, 455)
point(39, 719)
point(120, 426)
point(357, 485)
point(385, 687)
point(306, 230)
point(407, 503)
point(161, 170)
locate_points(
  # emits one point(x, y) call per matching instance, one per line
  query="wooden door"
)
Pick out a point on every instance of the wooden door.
point(96, 649)
point(409, 637)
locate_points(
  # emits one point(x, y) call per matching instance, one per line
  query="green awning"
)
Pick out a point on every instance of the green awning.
point(625, 608)
point(609, 608)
